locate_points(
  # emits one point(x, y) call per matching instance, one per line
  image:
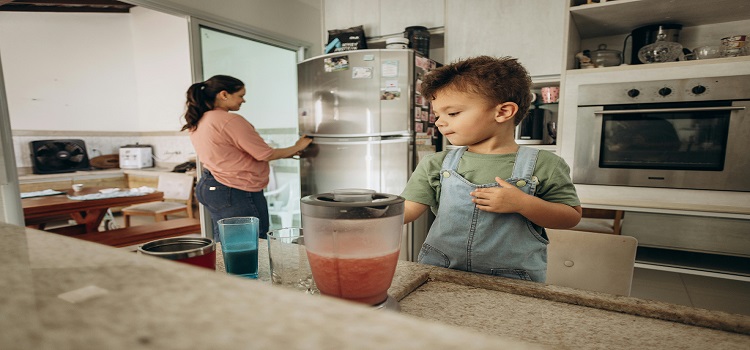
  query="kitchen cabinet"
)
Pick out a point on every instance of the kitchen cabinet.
point(530, 30)
point(704, 23)
point(382, 17)
point(588, 25)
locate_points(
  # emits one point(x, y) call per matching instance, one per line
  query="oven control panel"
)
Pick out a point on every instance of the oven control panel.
point(679, 90)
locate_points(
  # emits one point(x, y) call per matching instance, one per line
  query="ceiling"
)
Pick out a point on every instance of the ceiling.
point(64, 6)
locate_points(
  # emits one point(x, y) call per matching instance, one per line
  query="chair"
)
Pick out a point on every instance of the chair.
point(600, 221)
point(178, 197)
point(283, 201)
point(591, 261)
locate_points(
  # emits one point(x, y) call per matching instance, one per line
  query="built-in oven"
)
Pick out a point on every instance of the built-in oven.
point(687, 133)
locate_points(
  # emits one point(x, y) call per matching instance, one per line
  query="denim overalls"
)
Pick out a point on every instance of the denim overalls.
point(466, 238)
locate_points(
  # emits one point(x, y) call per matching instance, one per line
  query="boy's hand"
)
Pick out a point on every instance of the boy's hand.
point(504, 199)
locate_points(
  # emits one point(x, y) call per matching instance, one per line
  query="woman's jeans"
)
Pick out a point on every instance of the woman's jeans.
point(225, 202)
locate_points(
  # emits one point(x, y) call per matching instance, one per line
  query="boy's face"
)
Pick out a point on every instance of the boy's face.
point(465, 119)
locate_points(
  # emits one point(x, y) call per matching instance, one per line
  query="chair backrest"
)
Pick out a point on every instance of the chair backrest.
point(591, 261)
point(176, 186)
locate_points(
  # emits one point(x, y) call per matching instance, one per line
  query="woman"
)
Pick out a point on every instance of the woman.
point(234, 156)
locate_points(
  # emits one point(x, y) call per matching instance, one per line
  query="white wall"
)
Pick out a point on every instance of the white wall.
point(161, 49)
point(296, 20)
point(68, 71)
point(95, 72)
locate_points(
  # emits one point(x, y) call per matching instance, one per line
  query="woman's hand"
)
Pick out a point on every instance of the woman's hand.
point(291, 151)
point(302, 143)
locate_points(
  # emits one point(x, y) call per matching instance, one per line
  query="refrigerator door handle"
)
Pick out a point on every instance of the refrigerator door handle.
point(318, 141)
point(396, 134)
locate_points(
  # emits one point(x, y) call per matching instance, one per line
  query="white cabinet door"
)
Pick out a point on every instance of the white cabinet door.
point(342, 14)
point(530, 30)
point(396, 15)
point(383, 17)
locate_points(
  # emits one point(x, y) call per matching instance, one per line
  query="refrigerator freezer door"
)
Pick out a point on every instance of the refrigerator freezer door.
point(356, 94)
point(371, 163)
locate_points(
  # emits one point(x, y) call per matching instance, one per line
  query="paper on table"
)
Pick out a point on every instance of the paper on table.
point(47, 192)
point(115, 194)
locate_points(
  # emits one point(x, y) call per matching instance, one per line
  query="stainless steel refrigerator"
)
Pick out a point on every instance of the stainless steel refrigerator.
point(369, 123)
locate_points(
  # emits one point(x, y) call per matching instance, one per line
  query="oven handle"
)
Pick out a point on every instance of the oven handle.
point(666, 110)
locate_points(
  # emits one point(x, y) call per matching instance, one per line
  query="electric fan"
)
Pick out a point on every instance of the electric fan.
point(58, 156)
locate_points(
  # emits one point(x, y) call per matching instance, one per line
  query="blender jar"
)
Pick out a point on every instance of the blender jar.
point(353, 239)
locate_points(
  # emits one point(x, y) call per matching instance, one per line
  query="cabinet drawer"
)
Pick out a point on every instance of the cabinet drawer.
point(691, 233)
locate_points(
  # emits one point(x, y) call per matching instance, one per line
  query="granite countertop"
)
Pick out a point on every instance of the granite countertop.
point(655, 199)
point(128, 300)
point(551, 315)
point(58, 292)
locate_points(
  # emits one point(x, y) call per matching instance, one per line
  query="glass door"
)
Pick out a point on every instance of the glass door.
point(268, 67)
point(670, 136)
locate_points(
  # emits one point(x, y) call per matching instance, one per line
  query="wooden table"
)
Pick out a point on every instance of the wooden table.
point(88, 214)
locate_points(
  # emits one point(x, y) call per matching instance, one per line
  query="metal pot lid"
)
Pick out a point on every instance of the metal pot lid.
point(178, 248)
point(603, 51)
point(352, 204)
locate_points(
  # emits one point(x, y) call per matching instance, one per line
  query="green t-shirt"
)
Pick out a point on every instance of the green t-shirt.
point(553, 173)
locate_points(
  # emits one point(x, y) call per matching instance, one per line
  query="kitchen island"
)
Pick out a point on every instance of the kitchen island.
point(124, 300)
point(552, 315)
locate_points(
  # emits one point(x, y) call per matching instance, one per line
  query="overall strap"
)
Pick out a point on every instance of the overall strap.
point(453, 157)
point(525, 162)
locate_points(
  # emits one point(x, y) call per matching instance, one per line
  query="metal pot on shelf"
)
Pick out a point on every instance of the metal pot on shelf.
point(604, 57)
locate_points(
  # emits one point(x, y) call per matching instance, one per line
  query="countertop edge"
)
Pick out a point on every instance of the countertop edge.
point(719, 320)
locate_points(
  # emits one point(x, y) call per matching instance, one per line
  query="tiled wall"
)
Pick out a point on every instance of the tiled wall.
point(169, 148)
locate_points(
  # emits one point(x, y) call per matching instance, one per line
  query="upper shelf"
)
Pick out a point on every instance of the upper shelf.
point(437, 41)
point(622, 16)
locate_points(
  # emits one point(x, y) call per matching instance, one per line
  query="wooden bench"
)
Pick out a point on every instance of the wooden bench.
point(134, 235)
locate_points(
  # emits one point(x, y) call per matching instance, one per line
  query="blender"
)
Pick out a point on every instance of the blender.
point(353, 239)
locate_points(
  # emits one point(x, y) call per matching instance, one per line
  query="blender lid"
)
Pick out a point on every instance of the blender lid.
point(352, 204)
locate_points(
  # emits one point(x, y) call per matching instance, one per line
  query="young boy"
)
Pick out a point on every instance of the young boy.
point(492, 198)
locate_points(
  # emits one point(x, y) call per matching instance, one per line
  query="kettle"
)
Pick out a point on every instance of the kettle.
point(649, 34)
point(353, 240)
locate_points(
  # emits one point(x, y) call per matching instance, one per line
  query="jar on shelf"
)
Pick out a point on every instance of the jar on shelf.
point(419, 39)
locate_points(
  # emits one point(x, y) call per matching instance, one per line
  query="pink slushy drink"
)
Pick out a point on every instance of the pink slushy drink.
point(362, 279)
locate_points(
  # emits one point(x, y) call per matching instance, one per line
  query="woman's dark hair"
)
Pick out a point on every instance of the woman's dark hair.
point(498, 80)
point(201, 97)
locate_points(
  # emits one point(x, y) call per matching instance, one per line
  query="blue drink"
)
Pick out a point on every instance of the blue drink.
point(239, 245)
point(242, 262)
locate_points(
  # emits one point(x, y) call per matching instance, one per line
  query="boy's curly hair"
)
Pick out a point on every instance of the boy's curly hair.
point(498, 80)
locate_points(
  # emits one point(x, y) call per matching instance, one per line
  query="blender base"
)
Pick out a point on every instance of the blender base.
point(389, 304)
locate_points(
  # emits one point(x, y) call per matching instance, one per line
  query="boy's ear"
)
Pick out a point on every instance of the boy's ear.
point(505, 111)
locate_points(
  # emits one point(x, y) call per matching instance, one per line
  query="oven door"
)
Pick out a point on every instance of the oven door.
point(687, 145)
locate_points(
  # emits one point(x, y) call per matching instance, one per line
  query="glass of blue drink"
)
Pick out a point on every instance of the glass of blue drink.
point(239, 245)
